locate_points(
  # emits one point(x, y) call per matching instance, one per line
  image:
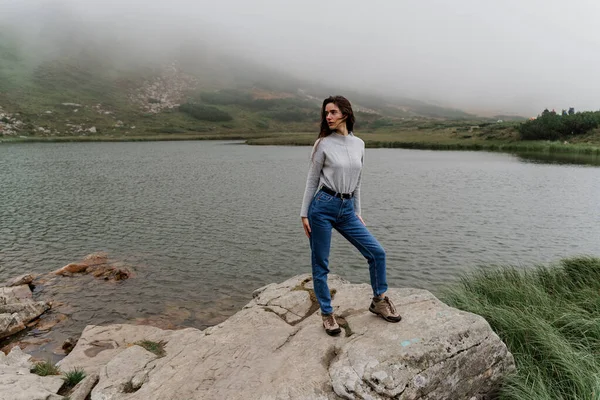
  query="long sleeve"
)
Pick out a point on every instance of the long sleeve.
point(356, 196)
point(314, 175)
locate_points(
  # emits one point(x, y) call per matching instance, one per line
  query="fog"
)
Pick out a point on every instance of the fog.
point(488, 57)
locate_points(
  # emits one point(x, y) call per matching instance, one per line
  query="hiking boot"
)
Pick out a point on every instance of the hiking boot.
point(330, 324)
point(385, 309)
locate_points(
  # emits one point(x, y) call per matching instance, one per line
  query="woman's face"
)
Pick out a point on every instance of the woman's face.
point(333, 116)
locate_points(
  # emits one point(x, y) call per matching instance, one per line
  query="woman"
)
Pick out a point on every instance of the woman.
point(332, 200)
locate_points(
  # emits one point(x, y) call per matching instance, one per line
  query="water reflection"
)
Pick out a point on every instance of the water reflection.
point(560, 158)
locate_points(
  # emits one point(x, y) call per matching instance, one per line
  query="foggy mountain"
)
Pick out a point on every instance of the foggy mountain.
point(63, 76)
point(387, 57)
point(55, 34)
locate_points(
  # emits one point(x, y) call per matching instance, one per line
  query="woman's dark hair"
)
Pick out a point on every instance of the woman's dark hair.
point(345, 108)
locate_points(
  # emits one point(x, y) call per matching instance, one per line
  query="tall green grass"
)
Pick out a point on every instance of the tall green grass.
point(549, 317)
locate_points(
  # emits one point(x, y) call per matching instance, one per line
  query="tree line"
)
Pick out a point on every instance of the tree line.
point(553, 126)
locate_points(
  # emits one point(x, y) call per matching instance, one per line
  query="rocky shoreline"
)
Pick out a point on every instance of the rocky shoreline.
point(32, 305)
point(275, 348)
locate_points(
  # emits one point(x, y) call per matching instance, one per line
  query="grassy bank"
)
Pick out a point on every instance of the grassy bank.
point(432, 139)
point(549, 317)
point(129, 138)
point(435, 140)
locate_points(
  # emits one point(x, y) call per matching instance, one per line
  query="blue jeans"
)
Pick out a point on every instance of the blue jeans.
point(327, 212)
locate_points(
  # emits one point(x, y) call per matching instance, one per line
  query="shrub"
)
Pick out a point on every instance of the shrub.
point(45, 368)
point(74, 376)
point(205, 113)
point(381, 123)
point(262, 124)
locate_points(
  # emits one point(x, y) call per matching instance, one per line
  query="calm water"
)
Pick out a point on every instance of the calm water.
point(205, 223)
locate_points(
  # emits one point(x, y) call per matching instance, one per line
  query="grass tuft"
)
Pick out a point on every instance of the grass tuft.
point(549, 317)
point(45, 368)
point(157, 348)
point(74, 376)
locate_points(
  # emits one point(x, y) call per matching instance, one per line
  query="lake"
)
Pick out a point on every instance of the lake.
point(203, 223)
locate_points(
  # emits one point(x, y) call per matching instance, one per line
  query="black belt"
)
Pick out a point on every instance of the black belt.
point(335, 194)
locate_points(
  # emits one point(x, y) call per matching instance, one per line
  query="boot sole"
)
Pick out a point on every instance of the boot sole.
point(384, 317)
point(333, 332)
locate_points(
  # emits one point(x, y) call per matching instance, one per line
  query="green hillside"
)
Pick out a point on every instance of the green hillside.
point(89, 91)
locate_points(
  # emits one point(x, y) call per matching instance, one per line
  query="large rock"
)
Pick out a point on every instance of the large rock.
point(276, 349)
point(17, 308)
point(17, 383)
point(20, 280)
point(98, 265)
point(83, 388)
point(100, 344)
point(10, 324)
point(15, 294)
point(27, 311)
point(127, 372)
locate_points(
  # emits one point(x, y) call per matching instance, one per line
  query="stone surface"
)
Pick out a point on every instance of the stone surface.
point(10, 324)
point(100, 344)
point(98, 265)
point(27, 311)
point(10, 125)
point(17, 383)
point(163, 92)
point(15, 294)
point(16, 358)
point(83, 388)
point(20, 280)
point(126, 372)
point(72, 268)
point(17, 309)
point(435, 352)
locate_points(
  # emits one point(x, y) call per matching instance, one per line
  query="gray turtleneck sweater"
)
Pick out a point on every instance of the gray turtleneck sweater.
point(336, 162)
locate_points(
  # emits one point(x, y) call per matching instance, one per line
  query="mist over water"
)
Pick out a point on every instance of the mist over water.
point(501, 57)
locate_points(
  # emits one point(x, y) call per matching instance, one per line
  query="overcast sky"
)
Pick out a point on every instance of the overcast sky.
point(482, 56)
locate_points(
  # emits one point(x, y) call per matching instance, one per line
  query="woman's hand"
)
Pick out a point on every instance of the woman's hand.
point(361, 220)
point(306, 226)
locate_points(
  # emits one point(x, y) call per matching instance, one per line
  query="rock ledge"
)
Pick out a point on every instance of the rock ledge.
point(276, 349)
